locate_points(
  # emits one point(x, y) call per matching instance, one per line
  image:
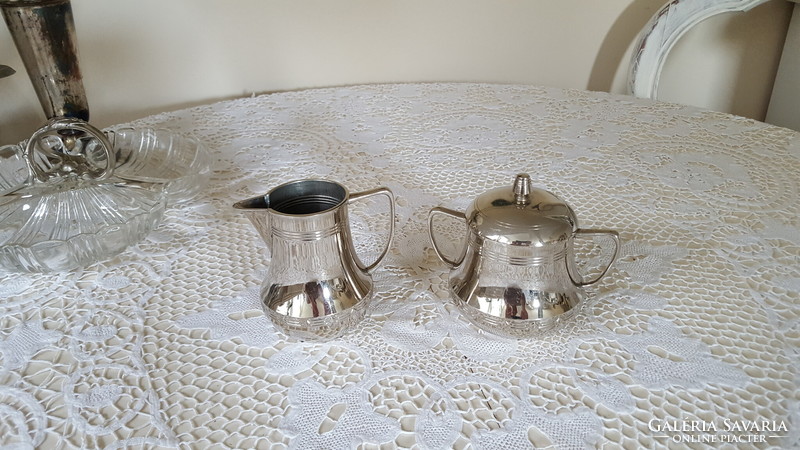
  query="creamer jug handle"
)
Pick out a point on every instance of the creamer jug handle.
point(596, 232)
point(451, 213)
point(388, 193)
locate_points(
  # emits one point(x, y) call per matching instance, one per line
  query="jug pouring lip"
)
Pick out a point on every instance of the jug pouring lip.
point(298, 198)
point(258, 202)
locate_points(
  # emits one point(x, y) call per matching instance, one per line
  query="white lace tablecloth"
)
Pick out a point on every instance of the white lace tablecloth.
point(694, 328)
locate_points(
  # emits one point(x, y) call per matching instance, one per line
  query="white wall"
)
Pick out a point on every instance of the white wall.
point(147, 56)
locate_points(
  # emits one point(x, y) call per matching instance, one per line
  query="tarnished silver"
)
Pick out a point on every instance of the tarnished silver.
point(67, 147)
point(316, 286)
point(44, 33)
point(516, 274)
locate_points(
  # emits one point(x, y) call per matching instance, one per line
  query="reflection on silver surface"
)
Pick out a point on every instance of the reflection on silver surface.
point(516, 274)
point(316, 287)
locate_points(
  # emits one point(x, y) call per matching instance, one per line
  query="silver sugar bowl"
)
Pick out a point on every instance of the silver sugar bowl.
point(516, 275)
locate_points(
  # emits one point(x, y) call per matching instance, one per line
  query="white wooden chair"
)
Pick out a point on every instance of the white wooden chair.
point(672, 21)
point(662, 32)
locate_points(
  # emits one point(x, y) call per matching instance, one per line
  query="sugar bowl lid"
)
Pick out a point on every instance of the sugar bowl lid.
point(521, 215)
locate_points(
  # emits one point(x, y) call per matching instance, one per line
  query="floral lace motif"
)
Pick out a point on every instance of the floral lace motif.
point(166, 344)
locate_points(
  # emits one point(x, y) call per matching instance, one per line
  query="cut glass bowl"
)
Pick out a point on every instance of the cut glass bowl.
point(160, 156)
point(63, 207)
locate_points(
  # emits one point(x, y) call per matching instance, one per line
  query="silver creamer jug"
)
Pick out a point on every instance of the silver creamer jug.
point(516, 275)
point(316, 286)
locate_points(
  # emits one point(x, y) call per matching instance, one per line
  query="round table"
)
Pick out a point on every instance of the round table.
point(690, 340)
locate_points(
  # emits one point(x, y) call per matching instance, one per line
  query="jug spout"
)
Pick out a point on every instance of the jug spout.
point(257, 210)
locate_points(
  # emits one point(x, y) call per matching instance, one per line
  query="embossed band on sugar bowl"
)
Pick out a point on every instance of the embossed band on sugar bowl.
point(516, 274)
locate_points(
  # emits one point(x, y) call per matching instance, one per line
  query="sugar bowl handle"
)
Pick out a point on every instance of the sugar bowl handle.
point(451, 213)
point(596, 232)
point(388, 193)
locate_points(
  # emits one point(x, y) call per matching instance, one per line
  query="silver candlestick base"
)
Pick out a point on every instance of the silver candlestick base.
point(44, 33)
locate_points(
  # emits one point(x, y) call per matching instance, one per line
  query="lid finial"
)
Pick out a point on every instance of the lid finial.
point(522, 189)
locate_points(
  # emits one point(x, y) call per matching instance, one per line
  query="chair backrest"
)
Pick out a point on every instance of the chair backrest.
point(662, 32)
